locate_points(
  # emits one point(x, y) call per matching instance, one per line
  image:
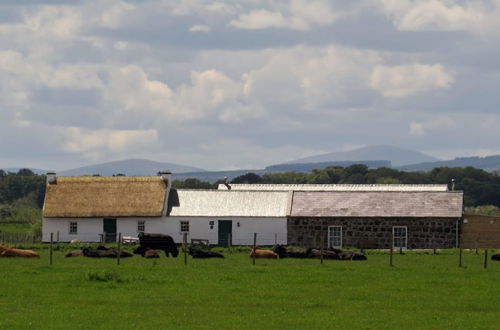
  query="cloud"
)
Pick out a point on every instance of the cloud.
point(298, 15)
point(434, 15)
point(95, 143)
point(279, 79)
point(404, 80)
point(416, 129)
point(199, 28)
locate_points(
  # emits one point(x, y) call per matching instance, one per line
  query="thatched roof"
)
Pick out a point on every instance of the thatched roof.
point(377, 204)
point(79, 197)
point(218, 203)
point(336, 187)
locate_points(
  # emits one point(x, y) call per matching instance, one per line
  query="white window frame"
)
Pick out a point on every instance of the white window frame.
point(141, 226)
point(331, 232)
point(183, 225)
point(405, 246)
point(73, 228)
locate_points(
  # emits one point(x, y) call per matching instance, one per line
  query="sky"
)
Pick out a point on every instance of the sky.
point(245, 84)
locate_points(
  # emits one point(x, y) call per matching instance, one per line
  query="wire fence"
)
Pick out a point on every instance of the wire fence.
point(10, 237)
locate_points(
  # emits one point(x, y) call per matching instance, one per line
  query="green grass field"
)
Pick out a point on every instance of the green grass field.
point(421, 291)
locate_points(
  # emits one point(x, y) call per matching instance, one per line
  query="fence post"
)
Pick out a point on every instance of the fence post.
point(254, 245)
point(184, 242)
point(391, 251)
point(485, 258)
point(460, 255)
point(51, 247)
point(119, 248)
point(57, 236)
point(321, 254)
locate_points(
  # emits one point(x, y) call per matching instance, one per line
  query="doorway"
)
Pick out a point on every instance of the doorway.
point(225, 228)
point(109, 229)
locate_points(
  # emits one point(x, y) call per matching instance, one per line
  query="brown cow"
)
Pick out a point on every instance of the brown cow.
point(151, 254)
point(259, 253)
point(6, 251)
point(74, 253)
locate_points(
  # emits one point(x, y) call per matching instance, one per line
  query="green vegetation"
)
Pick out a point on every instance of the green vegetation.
point(480, 187)
point(422, 291)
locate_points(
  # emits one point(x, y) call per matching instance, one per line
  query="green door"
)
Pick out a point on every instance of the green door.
point(109, 228)
point(225, 228)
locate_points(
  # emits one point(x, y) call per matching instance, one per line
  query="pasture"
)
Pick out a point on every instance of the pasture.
point(421, 291)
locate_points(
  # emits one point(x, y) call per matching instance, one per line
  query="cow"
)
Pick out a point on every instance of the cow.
point(74, 253)
point(157, 242)
point(496, 257)
point(327, 254)
point(8, 252)
point(285, 252)
point(199, 253)
point(351, 255)
point(259, 253)
point(103, 252)
point(151, 254)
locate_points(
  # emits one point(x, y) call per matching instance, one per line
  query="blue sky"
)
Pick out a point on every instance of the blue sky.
point(244, 84)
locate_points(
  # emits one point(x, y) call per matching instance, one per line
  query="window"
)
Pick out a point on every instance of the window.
point(73, 228)
point(184, 226)
point(335, 236)
point(399, 237)
point(141, 226)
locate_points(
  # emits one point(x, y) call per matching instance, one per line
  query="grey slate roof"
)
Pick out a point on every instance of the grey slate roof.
point(337, 187)
point(219, 203)
point(377, 204)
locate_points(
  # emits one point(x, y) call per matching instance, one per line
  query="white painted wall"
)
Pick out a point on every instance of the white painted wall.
point(268, 229)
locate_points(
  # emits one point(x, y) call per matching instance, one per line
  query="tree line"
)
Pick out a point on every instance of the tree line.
point(480, 187)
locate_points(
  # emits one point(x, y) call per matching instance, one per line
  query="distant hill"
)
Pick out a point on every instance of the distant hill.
point(490, 163)
point(397, 156)
point(129, 167)
point(308, 167)
point(212, 176)
point(16, 169)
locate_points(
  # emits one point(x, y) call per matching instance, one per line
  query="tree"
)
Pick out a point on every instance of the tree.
point(250, 178)
point(25, 172)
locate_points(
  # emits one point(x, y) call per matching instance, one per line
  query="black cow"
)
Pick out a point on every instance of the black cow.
point(496, 257)
point(351, 255)
point(103, 252)
point(284, 252)
point(157, 242)
point(327, 254)
point(199, 253)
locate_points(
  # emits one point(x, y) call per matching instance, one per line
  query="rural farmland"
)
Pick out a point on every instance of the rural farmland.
point(422, 290)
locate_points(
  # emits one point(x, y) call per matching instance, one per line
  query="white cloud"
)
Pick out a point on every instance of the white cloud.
point(404, 80)
point(416, 129)
point(199, 28)
point(297, 15)
point(434, 15)
point(107, 140)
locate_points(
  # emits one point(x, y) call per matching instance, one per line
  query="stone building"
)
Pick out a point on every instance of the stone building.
point(374, 219)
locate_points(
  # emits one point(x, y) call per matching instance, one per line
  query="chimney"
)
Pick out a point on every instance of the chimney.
point(166, 175)
point(452, 184)
point(51, 178)
point(228, 186)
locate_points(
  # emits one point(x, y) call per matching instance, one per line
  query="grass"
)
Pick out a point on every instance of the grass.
point(11, 227)
point(422, 291)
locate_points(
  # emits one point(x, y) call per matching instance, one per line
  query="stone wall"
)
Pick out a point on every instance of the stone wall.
point(422, 233)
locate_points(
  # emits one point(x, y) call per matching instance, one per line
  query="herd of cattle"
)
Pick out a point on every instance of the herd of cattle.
point(150, 244)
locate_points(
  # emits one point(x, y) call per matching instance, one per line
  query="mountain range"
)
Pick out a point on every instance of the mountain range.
point(397, 156)
point(372, 156)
